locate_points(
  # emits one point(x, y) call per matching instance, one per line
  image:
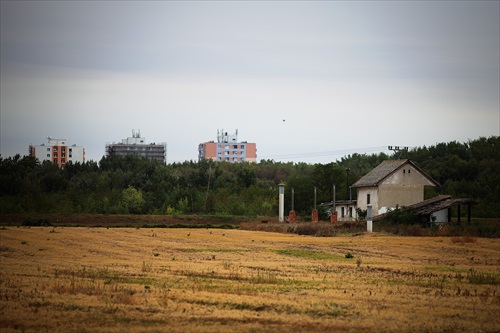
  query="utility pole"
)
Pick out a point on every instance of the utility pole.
point(347, 170)
point(397, 149)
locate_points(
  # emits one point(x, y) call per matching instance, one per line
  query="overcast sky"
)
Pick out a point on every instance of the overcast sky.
point(348, 77)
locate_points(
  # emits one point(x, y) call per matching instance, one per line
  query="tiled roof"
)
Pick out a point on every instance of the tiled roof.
point(384, 169)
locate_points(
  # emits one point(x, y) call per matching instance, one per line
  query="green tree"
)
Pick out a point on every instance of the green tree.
point(133, 200)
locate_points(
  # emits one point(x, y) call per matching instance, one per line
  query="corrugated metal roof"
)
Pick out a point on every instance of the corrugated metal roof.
point(433, 205)
point(437, 206)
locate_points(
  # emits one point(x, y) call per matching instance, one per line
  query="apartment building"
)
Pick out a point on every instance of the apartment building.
point(228, 149)
point(58, 151)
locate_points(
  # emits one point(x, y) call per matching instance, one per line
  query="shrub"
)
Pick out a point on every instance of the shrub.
point(402, 216)
point(312, 229)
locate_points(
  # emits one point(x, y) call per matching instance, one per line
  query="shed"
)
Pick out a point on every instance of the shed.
point(438, 209)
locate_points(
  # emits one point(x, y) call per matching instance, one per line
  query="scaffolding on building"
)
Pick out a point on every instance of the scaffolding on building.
point(135, 146)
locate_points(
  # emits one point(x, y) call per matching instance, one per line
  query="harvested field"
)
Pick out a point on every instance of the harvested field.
point(68, 279)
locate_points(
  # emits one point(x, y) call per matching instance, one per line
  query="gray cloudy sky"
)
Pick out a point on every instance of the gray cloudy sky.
point(347, 76)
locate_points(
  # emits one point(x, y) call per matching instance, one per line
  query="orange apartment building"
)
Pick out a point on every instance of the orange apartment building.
point(228, 149)
point(57, 151)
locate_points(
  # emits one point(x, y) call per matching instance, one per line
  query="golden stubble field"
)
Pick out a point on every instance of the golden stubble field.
point(212, 280)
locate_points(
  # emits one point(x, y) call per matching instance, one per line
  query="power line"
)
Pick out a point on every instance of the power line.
point(324, 153)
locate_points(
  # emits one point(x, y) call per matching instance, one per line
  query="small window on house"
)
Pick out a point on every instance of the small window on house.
point(350, 211)
point(48, 149)
point(409, 170)
point(342, 212)
point(404, 170)
point(367, 199)
point(48, 155)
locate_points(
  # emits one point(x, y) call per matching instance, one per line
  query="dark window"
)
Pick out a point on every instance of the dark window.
point(350, 211)
point(342, 213)
point(367, 199)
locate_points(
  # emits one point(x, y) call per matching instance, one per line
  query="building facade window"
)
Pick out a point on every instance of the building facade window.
point(367, 199)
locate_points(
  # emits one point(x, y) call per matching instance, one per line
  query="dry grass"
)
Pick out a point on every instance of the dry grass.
point(463, 239)
point(204, 280)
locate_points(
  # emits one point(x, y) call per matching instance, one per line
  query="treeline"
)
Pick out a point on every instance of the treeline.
point(138, 186)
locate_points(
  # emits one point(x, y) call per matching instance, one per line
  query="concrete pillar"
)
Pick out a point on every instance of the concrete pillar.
point(281, 202)
point(369, 218)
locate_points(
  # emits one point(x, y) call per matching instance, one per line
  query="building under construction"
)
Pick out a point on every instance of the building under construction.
point(136, 146)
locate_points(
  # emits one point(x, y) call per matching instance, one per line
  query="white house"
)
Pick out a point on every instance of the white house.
point(392, 183)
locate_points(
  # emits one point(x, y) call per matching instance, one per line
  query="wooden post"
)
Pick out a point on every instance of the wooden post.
point(469, 209)
point(314, 214)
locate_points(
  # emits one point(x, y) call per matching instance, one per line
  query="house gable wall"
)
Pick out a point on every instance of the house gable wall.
point(403, 187)
point(363, 195)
